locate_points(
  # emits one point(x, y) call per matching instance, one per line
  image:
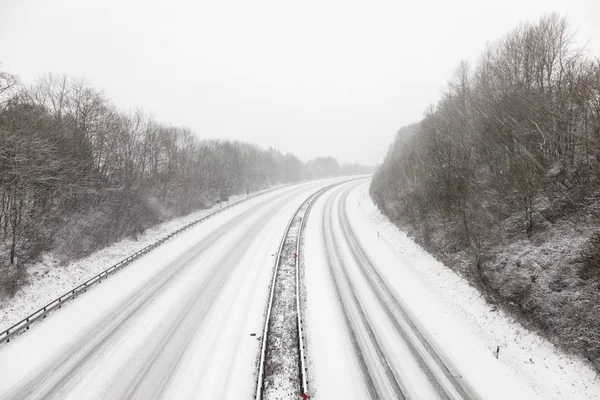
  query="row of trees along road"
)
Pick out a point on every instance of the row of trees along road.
point(510, 152)
point(77, 174)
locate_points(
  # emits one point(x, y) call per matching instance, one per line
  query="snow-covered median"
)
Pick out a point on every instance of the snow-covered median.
point(535, 359)
point(48, 279)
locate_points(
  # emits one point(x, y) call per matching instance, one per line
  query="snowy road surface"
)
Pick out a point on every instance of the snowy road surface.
point(184, 321)
point(175, 324)
point(374, 331)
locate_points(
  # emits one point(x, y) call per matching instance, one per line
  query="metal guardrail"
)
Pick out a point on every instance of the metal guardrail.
point(301, 346)
point(41, 313)
point(263, 346)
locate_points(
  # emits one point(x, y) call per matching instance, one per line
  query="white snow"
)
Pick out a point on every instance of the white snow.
point(551, 373)
point(176, 322)
point(333, 370)
point(48, 279)
point(196, 328)
point(455, 319)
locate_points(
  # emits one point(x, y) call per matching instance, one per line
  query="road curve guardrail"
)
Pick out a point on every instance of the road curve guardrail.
point(41, 313)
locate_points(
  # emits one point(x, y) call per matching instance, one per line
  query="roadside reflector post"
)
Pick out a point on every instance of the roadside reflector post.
point(224, 195)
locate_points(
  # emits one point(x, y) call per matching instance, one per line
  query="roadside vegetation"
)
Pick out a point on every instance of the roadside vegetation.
point(77, 174)
point(500, 180)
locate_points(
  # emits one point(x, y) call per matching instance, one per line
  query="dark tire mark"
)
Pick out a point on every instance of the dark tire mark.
point(338, 275)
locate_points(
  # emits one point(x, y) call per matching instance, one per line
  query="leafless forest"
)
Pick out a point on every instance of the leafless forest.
point(76, 173)
point(500, 180)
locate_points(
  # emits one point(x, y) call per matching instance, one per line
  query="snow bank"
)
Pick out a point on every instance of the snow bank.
point(535, 359)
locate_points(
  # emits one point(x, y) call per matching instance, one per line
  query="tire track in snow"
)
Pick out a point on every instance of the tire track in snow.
point(446, 384)
point(54, 378)
point(380, 378)
point(170, 347)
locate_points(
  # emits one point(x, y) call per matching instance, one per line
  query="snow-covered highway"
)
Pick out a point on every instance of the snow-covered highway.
point(186, 320)
point(371, 311)
point(374, 329)
point(175, 324)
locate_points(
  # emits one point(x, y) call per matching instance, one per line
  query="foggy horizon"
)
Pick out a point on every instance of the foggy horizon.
point(336, 79)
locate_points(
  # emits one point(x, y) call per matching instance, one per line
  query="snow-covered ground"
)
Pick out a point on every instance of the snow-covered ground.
point(48, 279)
point(176, 323)
point(450, 314)
point(383, 318)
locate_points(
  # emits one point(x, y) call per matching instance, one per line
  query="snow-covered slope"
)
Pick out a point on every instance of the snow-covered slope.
point(383, 318)
point(452, 317)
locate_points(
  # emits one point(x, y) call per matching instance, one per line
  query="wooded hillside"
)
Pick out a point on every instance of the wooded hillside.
point(500, 180)
point(77, 174)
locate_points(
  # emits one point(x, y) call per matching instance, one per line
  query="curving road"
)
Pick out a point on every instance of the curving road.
point(394, 360)
point(175, 324)
point(367, 336)
point(184, 321)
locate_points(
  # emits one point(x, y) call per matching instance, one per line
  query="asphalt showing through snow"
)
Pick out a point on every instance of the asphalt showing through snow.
point(370, 308)
point(190, 330)
point(195, 282)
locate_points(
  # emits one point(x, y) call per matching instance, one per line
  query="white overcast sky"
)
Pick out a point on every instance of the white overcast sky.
point(324, 77)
